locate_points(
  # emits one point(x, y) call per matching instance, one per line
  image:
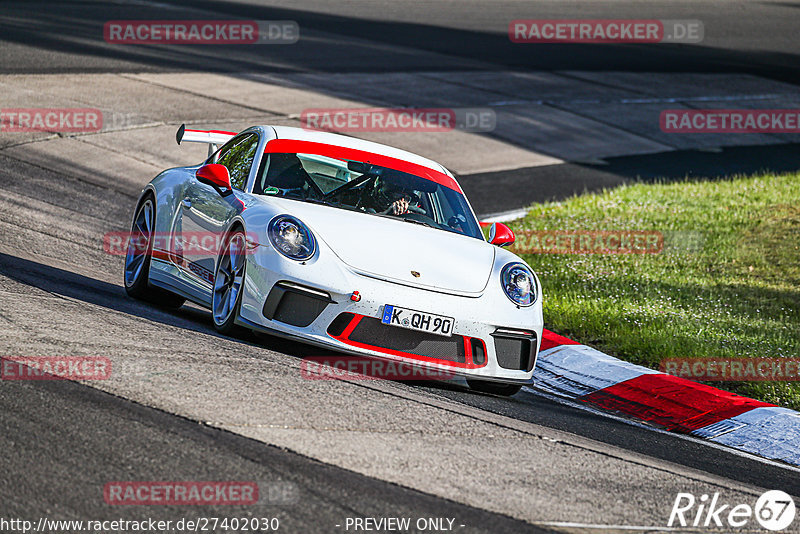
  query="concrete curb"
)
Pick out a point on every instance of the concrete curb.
point(569, 369)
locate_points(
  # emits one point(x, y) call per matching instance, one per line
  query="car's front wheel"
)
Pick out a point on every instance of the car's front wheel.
point(137, 259)
point(228, 282)
point(494, 388)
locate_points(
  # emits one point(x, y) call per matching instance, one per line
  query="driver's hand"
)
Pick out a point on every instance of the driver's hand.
point(399, 207)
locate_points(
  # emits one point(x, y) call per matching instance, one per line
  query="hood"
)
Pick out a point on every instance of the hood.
point(390, 249)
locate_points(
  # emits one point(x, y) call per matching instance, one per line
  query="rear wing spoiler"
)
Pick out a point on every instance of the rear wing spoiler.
point(214, 138)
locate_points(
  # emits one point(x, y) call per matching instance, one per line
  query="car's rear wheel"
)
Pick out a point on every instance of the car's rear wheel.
point(137, 259)
point(229, 282)
point(494, 388)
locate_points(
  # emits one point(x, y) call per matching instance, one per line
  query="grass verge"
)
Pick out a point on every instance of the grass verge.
point(725, 285)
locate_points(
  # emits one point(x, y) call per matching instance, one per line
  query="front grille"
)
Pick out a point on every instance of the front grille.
point(371, 331)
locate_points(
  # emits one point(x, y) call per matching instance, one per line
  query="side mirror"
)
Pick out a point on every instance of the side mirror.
point(501, 235)
point(217, 176)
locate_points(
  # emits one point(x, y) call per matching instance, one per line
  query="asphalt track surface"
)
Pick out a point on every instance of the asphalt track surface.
point(750, 37)
point(85, 436)
point(189, 404)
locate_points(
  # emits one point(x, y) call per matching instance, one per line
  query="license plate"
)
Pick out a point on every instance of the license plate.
point(417, 320)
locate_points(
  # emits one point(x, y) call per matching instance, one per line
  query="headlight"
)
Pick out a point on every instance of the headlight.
point(291, 238)
point(519, 284)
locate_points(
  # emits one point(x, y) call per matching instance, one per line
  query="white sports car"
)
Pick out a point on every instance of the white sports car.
point(341, 243)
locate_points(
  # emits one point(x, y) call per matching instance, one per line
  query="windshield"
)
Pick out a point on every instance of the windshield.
point(367, 188)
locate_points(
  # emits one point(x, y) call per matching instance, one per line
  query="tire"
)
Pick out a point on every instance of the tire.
point(136, 273)
point(226, 295)
point(493, 388)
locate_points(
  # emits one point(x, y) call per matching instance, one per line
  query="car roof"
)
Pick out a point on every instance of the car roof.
point(301, 134)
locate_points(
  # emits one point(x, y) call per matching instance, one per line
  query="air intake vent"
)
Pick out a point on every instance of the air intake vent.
point(515, 349)
point(294, 304)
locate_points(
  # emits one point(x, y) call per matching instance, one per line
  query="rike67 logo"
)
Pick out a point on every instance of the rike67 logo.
point(774, 510)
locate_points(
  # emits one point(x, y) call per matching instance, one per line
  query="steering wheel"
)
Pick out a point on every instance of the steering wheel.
point(411, 209)
point(420, 218)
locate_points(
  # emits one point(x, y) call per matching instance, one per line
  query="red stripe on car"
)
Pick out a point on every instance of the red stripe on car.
point(290, 146)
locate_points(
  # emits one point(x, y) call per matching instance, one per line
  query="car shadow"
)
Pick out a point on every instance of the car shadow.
point(97, 292)
point(190, 316)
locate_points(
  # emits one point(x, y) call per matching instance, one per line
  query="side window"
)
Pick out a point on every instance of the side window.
point(238, 158)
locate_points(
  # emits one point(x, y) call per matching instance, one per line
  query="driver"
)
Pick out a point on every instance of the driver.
point(393, 197)
point(400, 206)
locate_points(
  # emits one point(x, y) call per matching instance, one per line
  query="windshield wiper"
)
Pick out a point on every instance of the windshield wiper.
point(423, 223)
point(322, 201)
point(415, 221)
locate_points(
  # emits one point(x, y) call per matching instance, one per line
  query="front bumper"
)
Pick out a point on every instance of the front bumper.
point(492, 338)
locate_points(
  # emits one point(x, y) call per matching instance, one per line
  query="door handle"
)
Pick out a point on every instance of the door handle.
point(187, 202)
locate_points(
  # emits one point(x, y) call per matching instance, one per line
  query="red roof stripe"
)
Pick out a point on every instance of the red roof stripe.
point(290, 146)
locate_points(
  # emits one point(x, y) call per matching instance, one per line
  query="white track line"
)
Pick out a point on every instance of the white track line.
point(610, 527)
